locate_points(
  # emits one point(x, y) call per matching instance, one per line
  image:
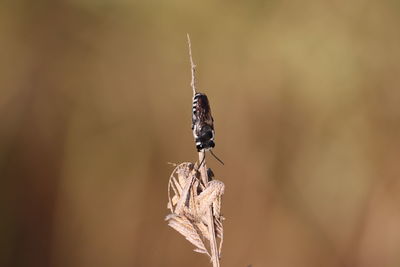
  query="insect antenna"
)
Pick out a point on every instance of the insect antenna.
point(217, 158)
point(202, 161)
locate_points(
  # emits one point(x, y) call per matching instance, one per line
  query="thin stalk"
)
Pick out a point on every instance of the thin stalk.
point(192, 66)
point(211, 227)
point(203, 173)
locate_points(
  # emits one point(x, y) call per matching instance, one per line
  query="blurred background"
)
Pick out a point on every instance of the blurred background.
point(96, 99)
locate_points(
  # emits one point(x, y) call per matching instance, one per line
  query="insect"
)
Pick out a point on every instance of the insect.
point(203, 124)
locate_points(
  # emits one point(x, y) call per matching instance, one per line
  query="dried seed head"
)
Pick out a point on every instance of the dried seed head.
point(190, 203)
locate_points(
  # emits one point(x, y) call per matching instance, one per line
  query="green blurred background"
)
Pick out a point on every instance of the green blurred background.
point(95, 100)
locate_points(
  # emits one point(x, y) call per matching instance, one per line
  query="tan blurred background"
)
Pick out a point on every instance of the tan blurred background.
point(95, 100)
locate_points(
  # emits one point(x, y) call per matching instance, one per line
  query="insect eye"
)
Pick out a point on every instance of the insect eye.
point(209, 134)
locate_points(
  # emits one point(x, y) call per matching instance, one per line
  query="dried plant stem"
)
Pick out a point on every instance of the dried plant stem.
point(192, 66)
point(204, 176)
point(211, 227)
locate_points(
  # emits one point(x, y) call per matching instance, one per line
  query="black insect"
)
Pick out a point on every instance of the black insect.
point(203, 124)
